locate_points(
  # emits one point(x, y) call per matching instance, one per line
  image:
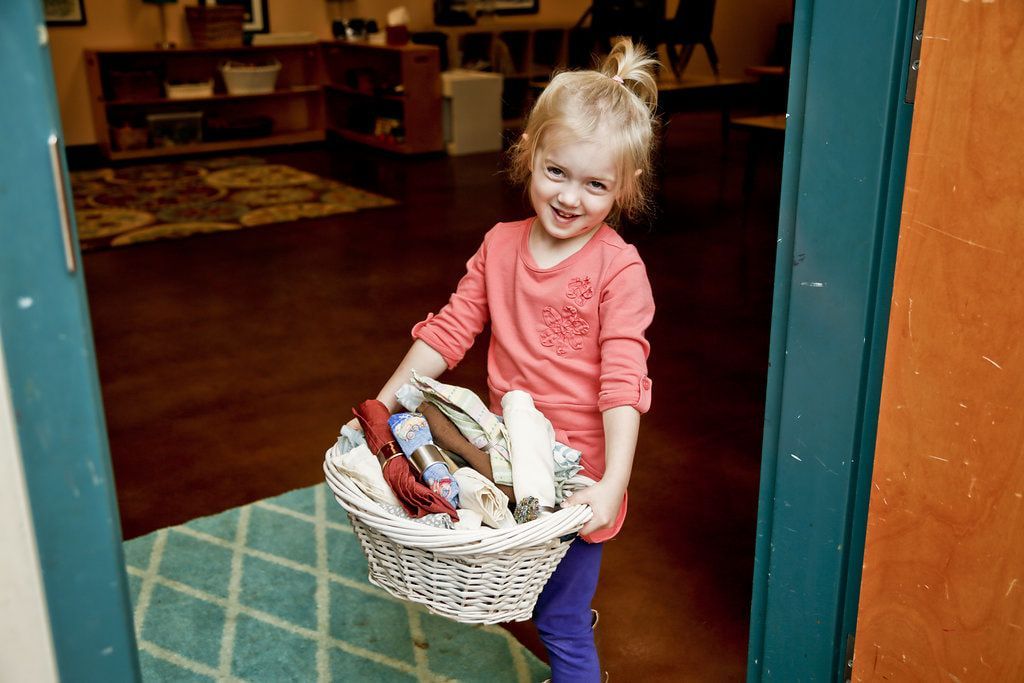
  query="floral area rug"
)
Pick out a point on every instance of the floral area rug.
point(117, 207)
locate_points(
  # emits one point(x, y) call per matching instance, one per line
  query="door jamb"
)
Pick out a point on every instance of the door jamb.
point(838, 229)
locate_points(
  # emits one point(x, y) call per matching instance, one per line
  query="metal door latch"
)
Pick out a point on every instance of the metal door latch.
point(64, 211)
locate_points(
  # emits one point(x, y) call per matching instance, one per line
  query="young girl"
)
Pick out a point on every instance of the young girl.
point(568, 302)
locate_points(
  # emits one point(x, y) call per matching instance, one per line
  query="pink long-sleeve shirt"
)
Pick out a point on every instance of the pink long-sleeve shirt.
point(571, 335)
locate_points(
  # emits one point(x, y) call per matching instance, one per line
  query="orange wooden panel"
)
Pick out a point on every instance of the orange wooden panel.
point(942, 595)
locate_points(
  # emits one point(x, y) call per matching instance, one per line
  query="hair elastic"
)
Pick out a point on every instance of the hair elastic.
point(618, 79)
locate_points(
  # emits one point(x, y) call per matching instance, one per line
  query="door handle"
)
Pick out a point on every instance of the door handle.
point(60, 186)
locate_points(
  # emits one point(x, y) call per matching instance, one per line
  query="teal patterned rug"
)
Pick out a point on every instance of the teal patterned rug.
point(277, 591)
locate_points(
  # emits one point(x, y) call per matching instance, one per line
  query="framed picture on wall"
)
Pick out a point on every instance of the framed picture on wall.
point(517, 6)
point(497, 6)
point(64, 12)
point(256, 19)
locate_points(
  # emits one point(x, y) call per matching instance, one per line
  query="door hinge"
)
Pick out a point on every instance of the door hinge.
point(915, 52)
point(848, 665)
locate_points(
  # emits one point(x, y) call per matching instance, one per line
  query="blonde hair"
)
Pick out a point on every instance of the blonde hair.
point(616, 103)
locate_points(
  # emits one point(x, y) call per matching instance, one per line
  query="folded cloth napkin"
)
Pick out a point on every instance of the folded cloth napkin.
point(350, 438)
point(533, 442)
point(413, 435)
point(468, 520)
point(479, 494)
point(409, 397)
point(361, 466)
point(417, 499)
point(448, 437)
point(567, 466)
point(469, 414)
point(580, 481)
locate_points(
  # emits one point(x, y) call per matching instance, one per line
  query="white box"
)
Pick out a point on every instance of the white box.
point(472, 111)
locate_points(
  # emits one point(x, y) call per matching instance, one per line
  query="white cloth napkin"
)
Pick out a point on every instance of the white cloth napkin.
point(349, 438)
point(479, 494)
point(576, 484)
point(532, 440)
point(362, 467)
point(468, 520)
point(410, 397)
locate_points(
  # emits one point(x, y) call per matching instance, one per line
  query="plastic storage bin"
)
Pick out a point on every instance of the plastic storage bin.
point(250, 79)
point(173, 129)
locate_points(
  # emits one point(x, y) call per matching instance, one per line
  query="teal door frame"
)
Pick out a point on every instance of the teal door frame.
point(847, 139)
point(52, 380)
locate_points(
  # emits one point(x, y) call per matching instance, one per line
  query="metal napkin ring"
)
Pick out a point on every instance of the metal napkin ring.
point(425, 456)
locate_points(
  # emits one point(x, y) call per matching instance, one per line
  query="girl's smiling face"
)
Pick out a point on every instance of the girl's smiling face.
point(573, 187)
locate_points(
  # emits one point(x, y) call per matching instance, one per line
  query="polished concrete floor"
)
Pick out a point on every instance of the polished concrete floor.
point(229, 361)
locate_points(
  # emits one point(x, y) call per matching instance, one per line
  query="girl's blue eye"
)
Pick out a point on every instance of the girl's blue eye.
point(554, 170)
point(597, 186)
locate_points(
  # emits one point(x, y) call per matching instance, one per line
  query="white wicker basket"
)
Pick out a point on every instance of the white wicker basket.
point(483, 576)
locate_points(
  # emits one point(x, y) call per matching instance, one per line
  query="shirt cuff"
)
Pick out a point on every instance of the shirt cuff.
point(638, 397)
point(425, 333)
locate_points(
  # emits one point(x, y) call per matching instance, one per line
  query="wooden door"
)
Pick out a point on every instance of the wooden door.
point(942, 593)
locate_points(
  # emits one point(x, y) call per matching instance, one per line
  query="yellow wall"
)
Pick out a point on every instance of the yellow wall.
point(743, 34)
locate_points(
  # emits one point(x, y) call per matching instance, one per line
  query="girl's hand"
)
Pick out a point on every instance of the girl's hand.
point(604, 500)
point(354, 424)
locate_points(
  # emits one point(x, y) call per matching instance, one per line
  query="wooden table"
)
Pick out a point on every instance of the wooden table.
point(764, 130)
point(697, 93)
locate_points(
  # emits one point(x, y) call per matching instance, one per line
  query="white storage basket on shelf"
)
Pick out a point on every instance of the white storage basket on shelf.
point(185, 91)
point(250, 79)
point(482, 576)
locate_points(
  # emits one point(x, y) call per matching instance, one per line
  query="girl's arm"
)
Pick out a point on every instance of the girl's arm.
point(421, 358)
point(621, 426)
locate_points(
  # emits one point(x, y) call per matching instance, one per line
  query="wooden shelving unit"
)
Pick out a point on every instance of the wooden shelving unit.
point(384, 96)
point(220, 146)
point(127, 85)
point(346, 88)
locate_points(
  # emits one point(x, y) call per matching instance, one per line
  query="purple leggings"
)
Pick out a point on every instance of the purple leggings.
point(563, 617)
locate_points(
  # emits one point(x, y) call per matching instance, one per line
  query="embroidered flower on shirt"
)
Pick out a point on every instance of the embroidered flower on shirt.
point(579, 290)
point(565, 330)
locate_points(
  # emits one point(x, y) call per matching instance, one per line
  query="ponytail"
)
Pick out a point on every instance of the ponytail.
point(634, 68)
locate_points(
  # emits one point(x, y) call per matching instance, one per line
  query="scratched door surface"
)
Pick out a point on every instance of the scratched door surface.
point(942, 594)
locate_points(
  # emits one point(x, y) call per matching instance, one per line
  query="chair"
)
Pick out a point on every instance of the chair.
point(641, 20)
point(690, 27)
point(644, 21)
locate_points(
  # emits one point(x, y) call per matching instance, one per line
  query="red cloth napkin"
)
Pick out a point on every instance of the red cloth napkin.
point(417, 499)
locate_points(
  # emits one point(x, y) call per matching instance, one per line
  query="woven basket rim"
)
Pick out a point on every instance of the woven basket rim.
point(485, 540)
